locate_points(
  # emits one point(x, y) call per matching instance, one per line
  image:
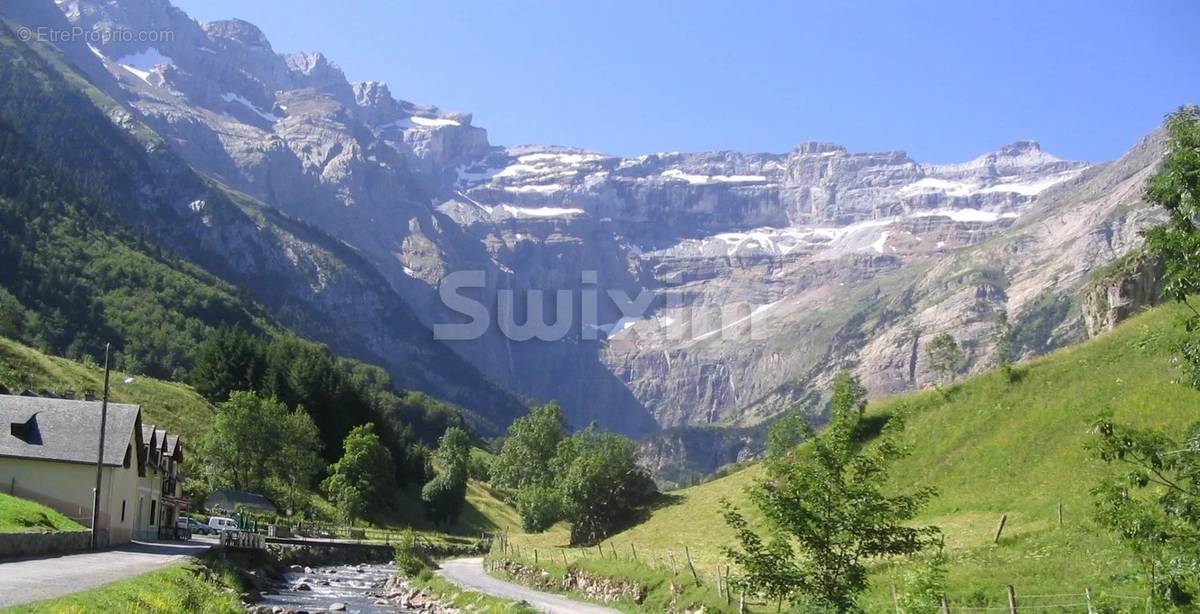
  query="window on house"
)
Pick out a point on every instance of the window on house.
point(27, 431)
point(123, 508)
point(153, 503)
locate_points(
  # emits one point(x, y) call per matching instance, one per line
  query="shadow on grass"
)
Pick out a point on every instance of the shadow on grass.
point(870, 427)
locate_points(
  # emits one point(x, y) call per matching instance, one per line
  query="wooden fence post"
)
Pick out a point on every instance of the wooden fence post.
point(1012, 600)
point(565, 563)
point(728, 588)
point(1060, 513)
point(600, 550)
point(688, 553)
point(1087, 593)
point(674, 566)
point(945, 605)
point(1000, 528)
point(742, 601)
point(895, 599)
point(535, 557)
point(633, 551)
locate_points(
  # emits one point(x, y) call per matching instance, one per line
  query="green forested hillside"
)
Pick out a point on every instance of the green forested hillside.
point(993, 448)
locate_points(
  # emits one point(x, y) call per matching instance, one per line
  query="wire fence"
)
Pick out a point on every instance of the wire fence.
point(1084, 601)
point(720, 579)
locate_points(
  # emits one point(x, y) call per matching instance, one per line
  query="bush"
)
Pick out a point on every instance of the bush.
point(408, 557)
point(444, 499)
point(479, 468)
point(539, 507)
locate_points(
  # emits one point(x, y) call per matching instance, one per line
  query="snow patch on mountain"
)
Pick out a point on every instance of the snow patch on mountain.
point(143, 62)
point(695, 179)
point(232, 97)
point(541, 211)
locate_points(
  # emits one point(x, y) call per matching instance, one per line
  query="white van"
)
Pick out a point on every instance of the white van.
point(221, 524)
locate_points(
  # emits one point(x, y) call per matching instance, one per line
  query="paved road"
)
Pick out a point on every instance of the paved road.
point(34, 579)
point(469, 573)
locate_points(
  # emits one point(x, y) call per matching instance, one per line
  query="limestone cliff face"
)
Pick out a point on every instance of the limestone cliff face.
point(1118, 291)
point(766, 272)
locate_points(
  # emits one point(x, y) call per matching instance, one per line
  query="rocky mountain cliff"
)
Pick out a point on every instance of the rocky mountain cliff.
point(763, 273)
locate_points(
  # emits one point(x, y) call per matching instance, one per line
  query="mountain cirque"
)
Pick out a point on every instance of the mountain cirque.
point(820, 258)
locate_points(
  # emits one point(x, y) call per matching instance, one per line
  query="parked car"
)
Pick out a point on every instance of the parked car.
point(193, 526)
point(222, 524)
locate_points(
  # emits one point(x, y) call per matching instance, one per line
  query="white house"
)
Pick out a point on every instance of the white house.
point(48, 454)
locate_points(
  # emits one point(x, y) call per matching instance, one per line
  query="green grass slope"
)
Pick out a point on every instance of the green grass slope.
point(173, 406)
point(21, 515)
point(993, 448)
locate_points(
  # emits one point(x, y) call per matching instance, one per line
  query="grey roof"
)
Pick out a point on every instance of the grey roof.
point(68, 430)
point(240, 497)
point(173, 446)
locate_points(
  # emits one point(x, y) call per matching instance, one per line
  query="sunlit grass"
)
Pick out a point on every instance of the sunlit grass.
point(991, 448)
point(21, 515)
point(181, 588)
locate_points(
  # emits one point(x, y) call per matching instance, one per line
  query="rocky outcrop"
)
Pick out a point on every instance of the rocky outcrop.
point(1120, 290)
point(681, 456)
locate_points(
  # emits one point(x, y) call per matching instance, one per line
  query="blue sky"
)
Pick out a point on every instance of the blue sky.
point(943, 80)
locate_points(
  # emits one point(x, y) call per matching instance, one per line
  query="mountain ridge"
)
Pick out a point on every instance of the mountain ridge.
point(831, 253)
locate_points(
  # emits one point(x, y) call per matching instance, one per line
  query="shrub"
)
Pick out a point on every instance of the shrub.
point(539, 507)
point(408, 556)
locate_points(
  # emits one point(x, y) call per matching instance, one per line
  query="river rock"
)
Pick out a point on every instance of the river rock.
point(337, 606)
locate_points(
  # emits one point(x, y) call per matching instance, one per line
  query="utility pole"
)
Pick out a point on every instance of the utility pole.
point(100, 452)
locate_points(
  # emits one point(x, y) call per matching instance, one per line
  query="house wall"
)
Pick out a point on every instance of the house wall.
point(67, 488)
point(148, 513)
point(121, 488)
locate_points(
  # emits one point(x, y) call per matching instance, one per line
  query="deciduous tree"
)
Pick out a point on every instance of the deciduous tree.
point(532, 441)
point(946, 358)
point(828, 513)
point(599, 482)
point(363, 479)
point(445, 495)
point(1154, 505)
point(241, 447)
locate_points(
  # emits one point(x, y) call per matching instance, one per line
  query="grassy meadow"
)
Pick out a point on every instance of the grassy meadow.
point(991, 447)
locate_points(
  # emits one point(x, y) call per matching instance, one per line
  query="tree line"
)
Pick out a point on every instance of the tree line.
point(591, 479)
point(289, 411)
